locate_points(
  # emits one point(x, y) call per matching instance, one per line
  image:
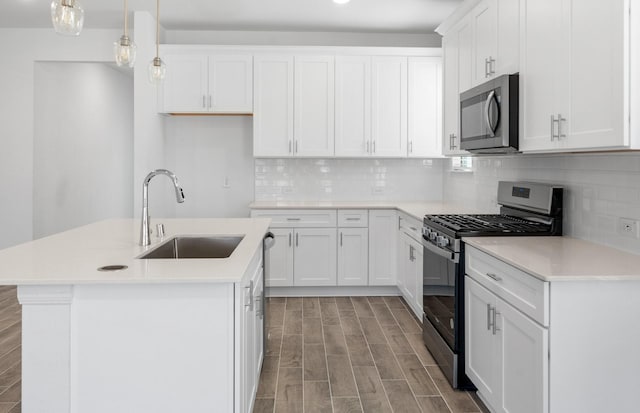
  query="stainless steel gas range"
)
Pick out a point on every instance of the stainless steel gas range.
point(526, 209)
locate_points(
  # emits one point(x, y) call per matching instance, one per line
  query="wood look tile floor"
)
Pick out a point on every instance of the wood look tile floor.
point(349, 355)
point(10, 350)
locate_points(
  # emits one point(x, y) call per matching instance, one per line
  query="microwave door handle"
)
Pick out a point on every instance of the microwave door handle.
point(487, 113)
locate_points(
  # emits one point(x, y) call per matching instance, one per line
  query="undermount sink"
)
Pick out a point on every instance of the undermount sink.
point(195, 247)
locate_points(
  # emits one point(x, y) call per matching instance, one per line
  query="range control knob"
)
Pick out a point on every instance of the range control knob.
point(433, 235)
point(442, 241)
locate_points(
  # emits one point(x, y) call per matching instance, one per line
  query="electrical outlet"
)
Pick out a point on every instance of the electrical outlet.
point(376, 190)
point(628, 227)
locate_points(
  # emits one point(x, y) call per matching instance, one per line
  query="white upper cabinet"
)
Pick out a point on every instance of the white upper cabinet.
point(208, 83)
point(353, 106)
point(574, 79)
point(314, 106)
point(457, 48)
point(185, 87)
point(484, 19)
point(231, 83)
point(425, 107)
point(273, 105)
point(389, 106)
point(508, 22)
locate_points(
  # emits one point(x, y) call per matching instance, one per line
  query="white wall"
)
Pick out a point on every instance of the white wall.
point(272, 38)
point(83, 145)
point(20, 48)
point(599, 189)
point(348, 179)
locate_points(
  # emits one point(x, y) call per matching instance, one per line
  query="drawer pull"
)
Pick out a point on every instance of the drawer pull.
point(413, 228)
point(493, 276)
point(353, 219)
point(488, 316)
point(293, 219)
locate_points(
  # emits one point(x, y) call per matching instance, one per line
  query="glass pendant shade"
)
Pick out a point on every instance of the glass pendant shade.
point(67, 17)
point(125, 51)
point(157, 71)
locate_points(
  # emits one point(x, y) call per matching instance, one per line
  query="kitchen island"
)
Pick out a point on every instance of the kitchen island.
point(161, 335)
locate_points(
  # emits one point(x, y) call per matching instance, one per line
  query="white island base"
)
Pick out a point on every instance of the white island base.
point(129, 348)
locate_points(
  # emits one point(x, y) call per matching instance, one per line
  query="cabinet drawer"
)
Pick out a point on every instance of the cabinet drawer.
point(353, 218)
point(289, 218)
point(411, 226)
point(525, 292)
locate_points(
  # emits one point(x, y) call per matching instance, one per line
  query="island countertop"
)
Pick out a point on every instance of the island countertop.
point(74, 256)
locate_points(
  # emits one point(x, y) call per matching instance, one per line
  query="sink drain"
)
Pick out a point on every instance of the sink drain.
point(113, 268)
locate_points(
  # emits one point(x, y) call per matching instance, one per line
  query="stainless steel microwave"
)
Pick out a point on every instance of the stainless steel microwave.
point(489, 116)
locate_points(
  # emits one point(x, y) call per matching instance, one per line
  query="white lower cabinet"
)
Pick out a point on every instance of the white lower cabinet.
point(314, 262)
point(250, 339)
point(410, 263)
point(383, 226)
point(279, 259)
point(353, 254)
point(506, 353)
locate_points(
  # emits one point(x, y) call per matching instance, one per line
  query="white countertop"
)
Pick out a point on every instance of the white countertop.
point(561, 258)
point(72, 257)
point(416, 209)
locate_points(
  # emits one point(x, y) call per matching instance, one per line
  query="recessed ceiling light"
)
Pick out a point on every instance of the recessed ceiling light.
point(341, 1)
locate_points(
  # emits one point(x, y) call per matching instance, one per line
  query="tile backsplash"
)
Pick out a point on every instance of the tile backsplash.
point(599, 190)
point(348, 179)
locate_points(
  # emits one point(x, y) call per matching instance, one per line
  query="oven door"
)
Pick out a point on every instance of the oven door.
point(439, 290)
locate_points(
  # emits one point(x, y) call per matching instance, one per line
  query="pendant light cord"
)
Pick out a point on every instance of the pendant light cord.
point(126, 22)
point(158, 28)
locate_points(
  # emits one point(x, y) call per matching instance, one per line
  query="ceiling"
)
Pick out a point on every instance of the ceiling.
point(391, 16)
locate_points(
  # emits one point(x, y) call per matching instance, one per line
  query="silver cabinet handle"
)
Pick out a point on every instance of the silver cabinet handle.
point(553, 129)
point(413, 228)
point(297, 240)
point(367, 146)
point(289, 239)
point(495, 321)
point(210, 102)
point(289, 146)
point(341, 239)
point(411, 251)
point(204, 102)
point(295, 146)
point(486, 65)
point(353, 219)
point(552, 133)
point(492, 70)
point(560, 120)
point(411, 147)
point(452, 141)
point(250, 303)
point(293, 219)
point(493, 276)
point(259, 312)
point(374, 146)
point(488, 316)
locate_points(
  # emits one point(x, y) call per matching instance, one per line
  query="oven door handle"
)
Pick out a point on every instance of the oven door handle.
point(451, 256)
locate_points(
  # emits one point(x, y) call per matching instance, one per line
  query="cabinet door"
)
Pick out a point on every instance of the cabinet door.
point(383, 233)
point(425, 107)
point(508, 18)
point(540, 89)
point(418, 256)
point(457, 46)
point(353, 253)
point(481, 364)
point(231, 84)
point(353, 106)
point(273, 105)
point(279, 259)
point(184, 89)
point(314, 106)
point(597, 75)
point(524, 364)
point(485, 28)
point(315, 257)
point(389, 103)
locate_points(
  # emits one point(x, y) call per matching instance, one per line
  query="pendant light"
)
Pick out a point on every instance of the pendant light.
point(125, 48)
point(67, 17)
point(157, 68)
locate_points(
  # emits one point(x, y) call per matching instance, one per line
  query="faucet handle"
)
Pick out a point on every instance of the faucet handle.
point(160, 230)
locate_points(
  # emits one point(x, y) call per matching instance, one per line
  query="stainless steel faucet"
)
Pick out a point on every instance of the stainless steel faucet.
point(145, 235)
